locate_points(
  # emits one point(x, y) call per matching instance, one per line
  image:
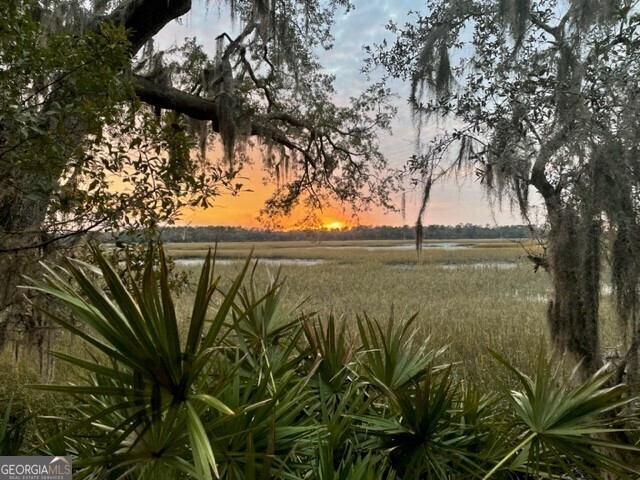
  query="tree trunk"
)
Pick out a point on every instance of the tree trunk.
point(21, 226)
point(574, 264)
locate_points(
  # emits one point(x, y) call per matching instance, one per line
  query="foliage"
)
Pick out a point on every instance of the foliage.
point(78, 152)
point(539, 95)
point(245, 390)
point(131, 258)
point(87, 139)
point(150, 399)
point(390, 360)
point(70, 133)
point(561, 423)
point(423, 421)
point(12, 429)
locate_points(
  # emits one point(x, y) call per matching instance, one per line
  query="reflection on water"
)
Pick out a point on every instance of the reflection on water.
point(404, 246)
point(197, 262)
point(304, 262)
point(499, 265)
point(444, 246)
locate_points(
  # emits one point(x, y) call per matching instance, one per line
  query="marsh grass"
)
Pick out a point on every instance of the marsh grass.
point(471, 309)
point(334, 250)
point(28, 405)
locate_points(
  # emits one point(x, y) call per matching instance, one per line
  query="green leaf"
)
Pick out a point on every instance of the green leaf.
point(211, 402)
point(200, 446)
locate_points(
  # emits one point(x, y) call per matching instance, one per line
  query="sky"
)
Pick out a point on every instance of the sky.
point(452, 201)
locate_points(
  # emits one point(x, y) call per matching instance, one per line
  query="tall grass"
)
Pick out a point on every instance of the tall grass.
point(469, 308)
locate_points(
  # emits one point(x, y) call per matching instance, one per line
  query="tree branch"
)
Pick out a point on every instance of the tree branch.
point(538, 176)
point(199, 108)
point(54, 239)
point(170, 98)
point(145, 18)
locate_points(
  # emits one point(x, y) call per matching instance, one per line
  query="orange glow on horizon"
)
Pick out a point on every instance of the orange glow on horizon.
point(334, 225)
point(450, 205)
point(244, 209)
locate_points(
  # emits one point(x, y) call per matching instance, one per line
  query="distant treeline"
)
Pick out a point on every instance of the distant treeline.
point(431, 232)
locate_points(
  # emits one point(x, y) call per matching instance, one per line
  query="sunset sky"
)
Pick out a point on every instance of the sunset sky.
point(452, 202)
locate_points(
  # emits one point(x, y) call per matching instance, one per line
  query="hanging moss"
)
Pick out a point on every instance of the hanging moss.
point(546, 99)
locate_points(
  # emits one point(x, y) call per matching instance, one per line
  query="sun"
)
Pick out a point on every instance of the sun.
point(333, 225)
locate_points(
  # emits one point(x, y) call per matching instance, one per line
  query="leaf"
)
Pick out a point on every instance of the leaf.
point(200, 446)
point(212, 402)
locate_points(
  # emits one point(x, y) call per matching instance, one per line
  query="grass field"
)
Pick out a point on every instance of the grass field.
point(470, 295)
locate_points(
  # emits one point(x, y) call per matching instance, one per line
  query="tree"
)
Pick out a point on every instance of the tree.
point(542, 95)
point(50, 138)
point(116, 109)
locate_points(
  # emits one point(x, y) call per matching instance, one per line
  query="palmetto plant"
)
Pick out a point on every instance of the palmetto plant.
point(145, 400)
point(390, 358)
point(266, 334)
point(272, 435)
point(333, 354)
point(418, 412)
point(561, 425)
point(264, 320)
point(243, 389)
point(352, 467)
point(339, 396)
point(432, 428)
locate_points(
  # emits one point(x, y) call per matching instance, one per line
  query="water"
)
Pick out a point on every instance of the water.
point(444, 246)
point(303, 262)
point(197, 262)
point(404, 246)
point(498, 265)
